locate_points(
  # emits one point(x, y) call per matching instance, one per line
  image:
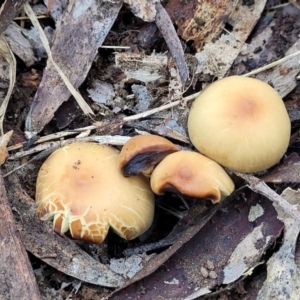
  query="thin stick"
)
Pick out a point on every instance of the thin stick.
point(151, 111)
point(26, 18)
point(92, 127)
point(273, 64)
point(259, 186)
point(115, 47)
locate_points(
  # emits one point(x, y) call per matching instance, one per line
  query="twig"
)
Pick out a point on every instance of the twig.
point(151, 111)
point(259, 186)
point(161, 108)
point(273, 64)
point(24, 18)
point(116, 140)
point(166, 27)
point(92, 127)
point(168, 241)
point(115, 47)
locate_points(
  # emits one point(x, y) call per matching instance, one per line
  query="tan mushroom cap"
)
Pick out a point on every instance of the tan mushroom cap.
point(142, 152)
point(241, 123)
point(193, 175)
point(81, 187)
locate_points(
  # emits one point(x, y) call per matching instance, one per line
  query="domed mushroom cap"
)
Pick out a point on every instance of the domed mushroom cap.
point(142, 152)
point(241, 123)
point(193, 175)
point(81, 187)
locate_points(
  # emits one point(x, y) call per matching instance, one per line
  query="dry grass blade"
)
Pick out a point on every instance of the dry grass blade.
point(273, 64)
point(81, 102)
point(48, 148)
point(154, 110)
point(8, 55)
point(138, 116)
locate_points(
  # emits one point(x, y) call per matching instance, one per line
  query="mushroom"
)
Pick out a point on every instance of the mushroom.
point(82, 189)
point(191, 174)
point(141, 153)
point(241, 123)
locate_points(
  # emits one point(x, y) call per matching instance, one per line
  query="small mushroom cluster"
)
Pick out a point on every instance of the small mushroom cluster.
point(237, 122)
point(188, 173)
point(86, 188)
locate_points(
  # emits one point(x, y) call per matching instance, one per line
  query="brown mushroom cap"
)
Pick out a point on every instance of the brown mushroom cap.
point(241, 123)
point(193, 175)
point(142, 152)
point(81, 187)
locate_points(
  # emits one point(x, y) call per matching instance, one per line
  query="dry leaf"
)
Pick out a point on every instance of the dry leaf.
point(85, 28)
point(212, 59)
point(283, 275)
point(199, 21)
point(144, 9)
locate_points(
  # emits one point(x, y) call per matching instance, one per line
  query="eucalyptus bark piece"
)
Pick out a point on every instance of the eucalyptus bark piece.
point(8, 11)
point(80, 33)
point(168, 31)
point(17, 280)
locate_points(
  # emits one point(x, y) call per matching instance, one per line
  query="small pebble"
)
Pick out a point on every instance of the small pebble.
point(204, 272)
point(212, 275)
point(210, 265)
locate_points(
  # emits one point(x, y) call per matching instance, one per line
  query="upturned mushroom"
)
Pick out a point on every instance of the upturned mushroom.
point(141, 153)
point(82, 189)
point(193, 175)
point(241, 123)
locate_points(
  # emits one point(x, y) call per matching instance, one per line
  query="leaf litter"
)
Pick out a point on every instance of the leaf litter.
point(186, 269)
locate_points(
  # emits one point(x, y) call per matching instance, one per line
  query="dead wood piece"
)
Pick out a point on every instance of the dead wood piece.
point(199, 21)
point(211, 60)
point(8, 11)
point(19, 43)
point(145, 68)
point(168, 241)
point(17, 280)
point(144, 9)
point(259, 186)
point(287, 172)
point(81, 32)
point(283, 272)
point(283, 76)
point(167, 29)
